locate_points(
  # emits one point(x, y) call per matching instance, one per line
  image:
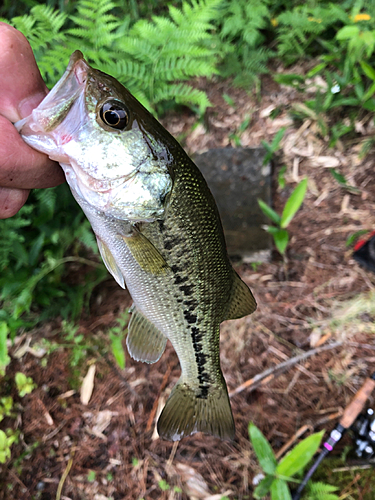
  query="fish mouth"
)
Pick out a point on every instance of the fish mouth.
point(54, 108)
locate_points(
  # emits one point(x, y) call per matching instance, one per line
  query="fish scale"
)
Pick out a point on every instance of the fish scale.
point(158, 231)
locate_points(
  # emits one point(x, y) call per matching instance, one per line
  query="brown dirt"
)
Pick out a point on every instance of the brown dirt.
point(113, 436)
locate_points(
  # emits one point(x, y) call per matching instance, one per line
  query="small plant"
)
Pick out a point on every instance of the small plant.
point(273, 147)
point(116, 335)
point(6, 440)
point(279, 232)
point(24, 384)
point(279, 474)
point(343, 182)
point(91, 476)
point(163, 485)
point(6, 407)
point(236, 136)
point(4, 358)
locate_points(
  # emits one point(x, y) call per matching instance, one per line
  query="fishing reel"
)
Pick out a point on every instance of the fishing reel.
point(364, 436)
point(362, 425)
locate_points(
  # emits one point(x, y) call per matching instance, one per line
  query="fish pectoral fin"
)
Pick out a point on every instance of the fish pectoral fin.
point(242, 301)
point(144, 252)
point(185, 413)
point(110, 262)
point(144, 341)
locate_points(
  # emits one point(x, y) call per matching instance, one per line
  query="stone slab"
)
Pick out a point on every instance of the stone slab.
point(237, 178)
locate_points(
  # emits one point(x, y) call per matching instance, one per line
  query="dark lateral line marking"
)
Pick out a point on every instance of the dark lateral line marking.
point(201, 359)
point(186, 289)
point(179, 280)
point(190, 318)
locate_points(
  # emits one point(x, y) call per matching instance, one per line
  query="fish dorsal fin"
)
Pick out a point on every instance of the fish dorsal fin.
point(242, 301)
point(144, 341)
point(110, 262)
point(144, 252)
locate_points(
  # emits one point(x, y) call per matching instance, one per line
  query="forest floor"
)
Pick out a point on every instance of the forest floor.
point(322, 304)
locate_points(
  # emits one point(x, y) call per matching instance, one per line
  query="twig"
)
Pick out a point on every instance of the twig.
point(155, 406)
point(291, 441)
point(271, 373)
point(63, 478)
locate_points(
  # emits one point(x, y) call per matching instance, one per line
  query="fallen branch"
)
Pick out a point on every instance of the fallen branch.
point(271, 373)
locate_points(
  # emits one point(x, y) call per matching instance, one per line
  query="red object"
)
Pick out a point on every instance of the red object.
point(364, 251)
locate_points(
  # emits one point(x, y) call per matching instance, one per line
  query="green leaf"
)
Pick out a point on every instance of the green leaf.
point(316, 69)
point(338, 177)
point(293, 204)
point(368, 70)
point(277, 139)
point(24, 384)
point(301, 455)
point(262, 449)
point(347, 33)
point(351, 239)
point(4, 358)
point(370, 92)
point(269, 212)
point(117, 349)
point(281, 239)
point(264, 486)
point(280, 490)
point(342, 181)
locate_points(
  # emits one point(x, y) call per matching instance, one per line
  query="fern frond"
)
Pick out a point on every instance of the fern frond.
point(321, 491)
point(183, 94)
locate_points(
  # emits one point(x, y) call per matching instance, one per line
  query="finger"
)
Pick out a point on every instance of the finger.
point(22, 89)
point(11, 201)
point(23, 167)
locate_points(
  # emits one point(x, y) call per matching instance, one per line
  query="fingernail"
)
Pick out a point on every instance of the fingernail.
point(26, 106)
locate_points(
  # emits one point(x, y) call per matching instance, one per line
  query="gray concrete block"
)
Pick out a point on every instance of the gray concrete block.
point(237, 178)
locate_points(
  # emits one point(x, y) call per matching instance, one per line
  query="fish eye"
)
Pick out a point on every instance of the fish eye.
point(114, 114)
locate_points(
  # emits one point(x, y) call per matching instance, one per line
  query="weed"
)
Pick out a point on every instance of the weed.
point(279, 474)
point(24, 384)
point(116, 335)
point(274, 146)
point(279, 232)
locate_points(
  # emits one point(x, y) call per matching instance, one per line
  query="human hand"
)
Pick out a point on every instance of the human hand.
point(21, 90)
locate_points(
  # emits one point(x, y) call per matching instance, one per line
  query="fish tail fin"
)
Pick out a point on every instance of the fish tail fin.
point(187, 412)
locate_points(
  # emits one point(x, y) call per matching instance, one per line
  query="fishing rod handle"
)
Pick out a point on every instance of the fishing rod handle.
point(356, 406)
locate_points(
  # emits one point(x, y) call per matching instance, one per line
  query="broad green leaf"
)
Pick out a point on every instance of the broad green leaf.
point(264, 486)
point(280, 490)
point(315, 70)
point(262, 449)
point(347, 33)
point(4, 358)
point(281, 239)
point(293, 204)
point(301, 454)
point(269, 212)
point(118, 350)
point(368, 70)
point(369, 93)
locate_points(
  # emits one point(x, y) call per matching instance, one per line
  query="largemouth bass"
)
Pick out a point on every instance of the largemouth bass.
point(158, 232)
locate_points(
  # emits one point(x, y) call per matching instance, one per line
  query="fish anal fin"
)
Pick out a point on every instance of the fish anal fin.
point(242, 301)
point(186, 412)
point(110, 262)
point(145, 253)
point(144, 341)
